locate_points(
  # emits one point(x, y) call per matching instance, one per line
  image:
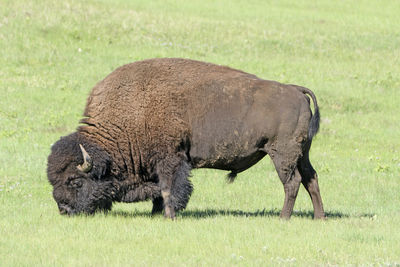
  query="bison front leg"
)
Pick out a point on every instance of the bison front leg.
point(169, 211)
point(158, 206)
point(175, 187)
point(165, 174)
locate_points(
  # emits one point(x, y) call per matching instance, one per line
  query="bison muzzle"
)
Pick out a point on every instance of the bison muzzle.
point(148, 123)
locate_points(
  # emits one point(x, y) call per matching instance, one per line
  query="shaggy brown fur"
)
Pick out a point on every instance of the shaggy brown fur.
point(148, 123)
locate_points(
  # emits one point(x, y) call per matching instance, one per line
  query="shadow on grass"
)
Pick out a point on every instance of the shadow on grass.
point(209, 213)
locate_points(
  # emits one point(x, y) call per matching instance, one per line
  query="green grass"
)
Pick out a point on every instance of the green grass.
point(347, 52)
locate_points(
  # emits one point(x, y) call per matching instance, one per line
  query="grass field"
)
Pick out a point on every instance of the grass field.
point(347, 52)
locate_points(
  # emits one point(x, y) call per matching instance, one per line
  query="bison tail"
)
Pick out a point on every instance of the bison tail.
point(314, 122)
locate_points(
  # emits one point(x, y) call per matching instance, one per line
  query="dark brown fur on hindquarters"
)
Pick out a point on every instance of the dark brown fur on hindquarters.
point(148, 123)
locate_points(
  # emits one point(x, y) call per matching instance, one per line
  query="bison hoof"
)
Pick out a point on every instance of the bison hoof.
point(169, 212)
point(320, 217)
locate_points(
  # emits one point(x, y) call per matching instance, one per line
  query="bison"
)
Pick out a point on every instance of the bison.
point(148, 123)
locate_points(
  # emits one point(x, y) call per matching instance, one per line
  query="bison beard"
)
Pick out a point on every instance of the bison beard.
point(149, 123)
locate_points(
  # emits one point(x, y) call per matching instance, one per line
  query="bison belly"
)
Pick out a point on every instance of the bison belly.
point(229, 141)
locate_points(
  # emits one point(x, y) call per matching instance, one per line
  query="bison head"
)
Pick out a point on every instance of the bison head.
point(78, 170)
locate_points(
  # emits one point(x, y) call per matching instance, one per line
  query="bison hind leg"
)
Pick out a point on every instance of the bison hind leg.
point(285, 156)
point(310, 182)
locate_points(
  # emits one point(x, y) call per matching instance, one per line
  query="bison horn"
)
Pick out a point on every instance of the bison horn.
point(87, 161)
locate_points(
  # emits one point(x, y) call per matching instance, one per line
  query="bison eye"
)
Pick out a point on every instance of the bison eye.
point(75, 183)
